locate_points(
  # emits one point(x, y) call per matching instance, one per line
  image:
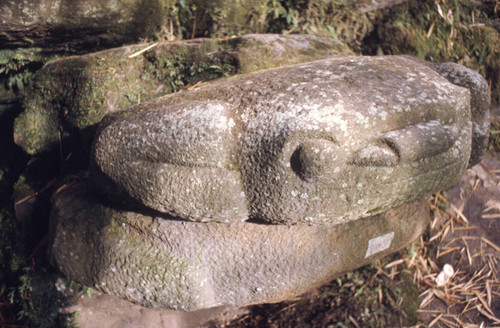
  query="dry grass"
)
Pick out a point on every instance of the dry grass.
point(471, 296)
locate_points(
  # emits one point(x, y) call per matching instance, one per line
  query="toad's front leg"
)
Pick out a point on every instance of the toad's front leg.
point(178, 160)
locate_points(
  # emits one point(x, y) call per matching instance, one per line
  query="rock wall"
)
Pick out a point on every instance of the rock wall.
point(76, 25)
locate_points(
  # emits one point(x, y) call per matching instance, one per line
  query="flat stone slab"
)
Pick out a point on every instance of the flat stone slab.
point(323, 142)
point(101, 310)
point(173, 264)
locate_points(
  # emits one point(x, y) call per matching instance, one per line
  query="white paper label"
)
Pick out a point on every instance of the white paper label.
point(379, 244)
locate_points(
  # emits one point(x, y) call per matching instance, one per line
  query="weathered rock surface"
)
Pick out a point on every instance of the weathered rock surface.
point(318, 143)
point(77, 24)
point(102, 310)
point(371, 5)
point(166, 263)
point(347, 146)
point(71, 94)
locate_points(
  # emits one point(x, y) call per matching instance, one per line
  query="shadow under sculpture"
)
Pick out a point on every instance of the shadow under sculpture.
point(259, 187)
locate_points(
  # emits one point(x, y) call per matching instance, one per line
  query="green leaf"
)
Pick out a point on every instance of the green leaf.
point(333, 34)
point(19, 57)
point(19, 83)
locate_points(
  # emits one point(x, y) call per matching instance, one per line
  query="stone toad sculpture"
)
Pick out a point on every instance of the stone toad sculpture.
point(340, 152)
point(319, 143)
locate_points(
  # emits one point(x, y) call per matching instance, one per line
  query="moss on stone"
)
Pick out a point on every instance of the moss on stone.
point(260, 52)
point(12, 246)
point(33, 128)
point(417, 28)
point(177, 68)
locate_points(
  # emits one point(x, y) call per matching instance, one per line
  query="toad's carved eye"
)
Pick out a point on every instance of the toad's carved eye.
point(314, 158)
point(300, 161)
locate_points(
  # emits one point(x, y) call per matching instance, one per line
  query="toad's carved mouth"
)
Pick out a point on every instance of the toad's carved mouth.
point(409, 144)
point(316, 159)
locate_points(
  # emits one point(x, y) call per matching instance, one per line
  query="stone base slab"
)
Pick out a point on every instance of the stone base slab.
point(168, 263)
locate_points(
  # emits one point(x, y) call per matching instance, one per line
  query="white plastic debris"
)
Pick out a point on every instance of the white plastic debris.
point(445, 275)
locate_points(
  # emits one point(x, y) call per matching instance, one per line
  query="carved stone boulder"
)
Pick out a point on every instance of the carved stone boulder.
point(320, 143)
point(259, 187)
